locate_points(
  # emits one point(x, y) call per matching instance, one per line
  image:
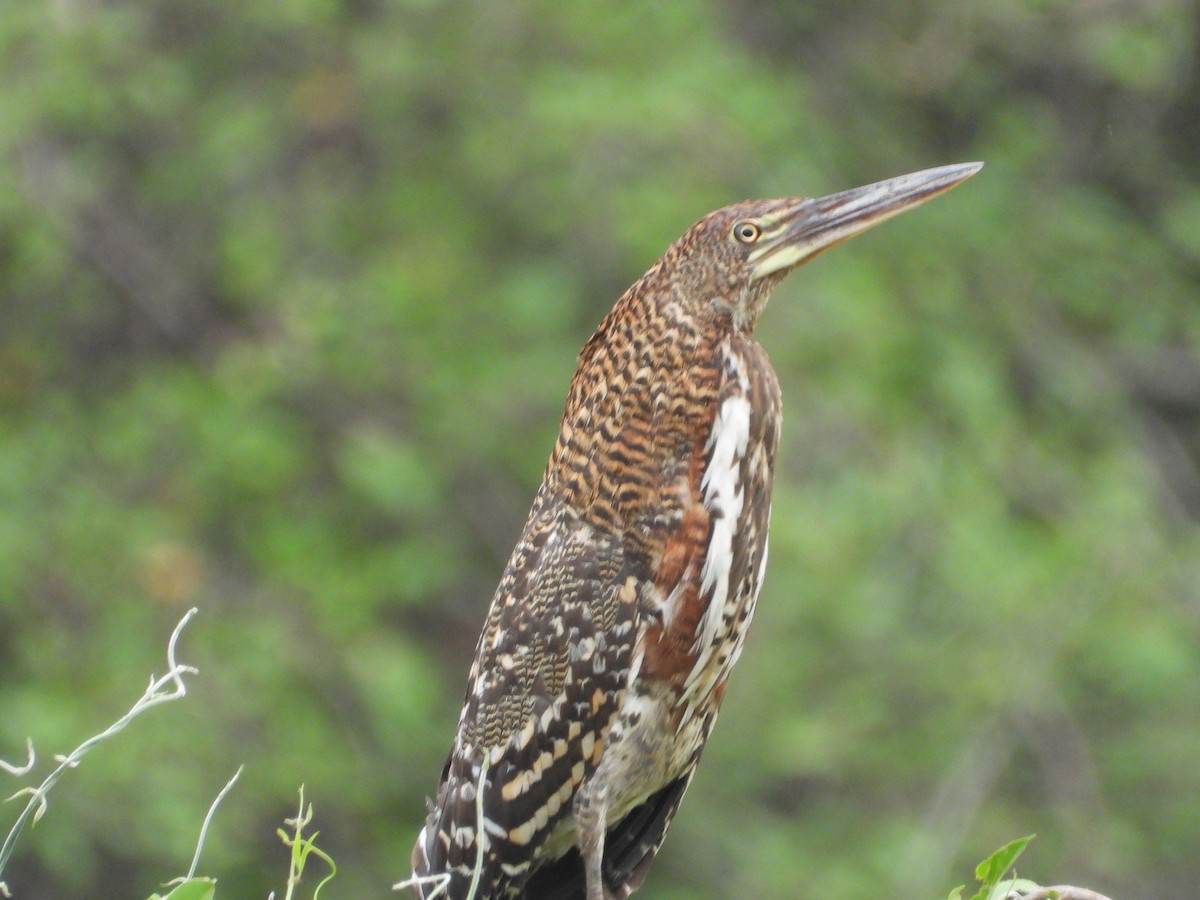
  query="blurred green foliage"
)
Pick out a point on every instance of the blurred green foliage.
point(289, 299)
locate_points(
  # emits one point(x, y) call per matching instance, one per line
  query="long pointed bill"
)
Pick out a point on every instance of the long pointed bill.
point(800, 232)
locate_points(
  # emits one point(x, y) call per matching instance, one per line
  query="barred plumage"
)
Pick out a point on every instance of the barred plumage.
point(624, 606)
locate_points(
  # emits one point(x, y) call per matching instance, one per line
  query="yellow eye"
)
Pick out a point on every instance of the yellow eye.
point(746, 232)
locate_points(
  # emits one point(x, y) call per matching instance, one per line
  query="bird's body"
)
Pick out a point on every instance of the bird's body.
point(624, 607)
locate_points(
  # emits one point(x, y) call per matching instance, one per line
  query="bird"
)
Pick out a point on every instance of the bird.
point(609, 642)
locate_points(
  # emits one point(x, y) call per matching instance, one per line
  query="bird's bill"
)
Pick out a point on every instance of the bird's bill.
point(800, 232)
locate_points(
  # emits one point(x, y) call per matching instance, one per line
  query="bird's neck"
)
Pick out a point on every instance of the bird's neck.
point(639, 407)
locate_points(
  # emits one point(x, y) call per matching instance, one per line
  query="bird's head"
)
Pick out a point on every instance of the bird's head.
point(729, 261)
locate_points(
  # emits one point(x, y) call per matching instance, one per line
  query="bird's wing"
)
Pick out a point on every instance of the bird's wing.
point(547, 682)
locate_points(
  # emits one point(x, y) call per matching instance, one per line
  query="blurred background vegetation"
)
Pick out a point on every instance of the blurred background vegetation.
point(290, 294)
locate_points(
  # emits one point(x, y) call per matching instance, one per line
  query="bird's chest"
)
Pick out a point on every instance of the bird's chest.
point(707, 570)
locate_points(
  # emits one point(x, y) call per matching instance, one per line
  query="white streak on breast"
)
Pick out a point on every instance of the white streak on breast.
point(723, 496)
point(762, 563)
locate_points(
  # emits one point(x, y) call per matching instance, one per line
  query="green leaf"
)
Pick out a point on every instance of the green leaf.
point(192, 889)
point(991, 870)
point(956, 894)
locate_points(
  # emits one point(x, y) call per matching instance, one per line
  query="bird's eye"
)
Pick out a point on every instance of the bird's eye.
point(746, 232)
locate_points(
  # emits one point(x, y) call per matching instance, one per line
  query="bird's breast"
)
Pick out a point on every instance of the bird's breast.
point(670, 444)
point(707, 574)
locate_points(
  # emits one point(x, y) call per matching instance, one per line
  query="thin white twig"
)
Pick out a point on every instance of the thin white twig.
point(208, 818)
point(16, 770)
point(439, 880)
point(161, 690)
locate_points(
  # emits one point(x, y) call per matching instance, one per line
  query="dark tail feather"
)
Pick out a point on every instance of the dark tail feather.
point(629, 849)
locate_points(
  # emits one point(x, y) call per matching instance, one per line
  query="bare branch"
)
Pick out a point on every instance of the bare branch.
point(161, 690)
point(1061, 892)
